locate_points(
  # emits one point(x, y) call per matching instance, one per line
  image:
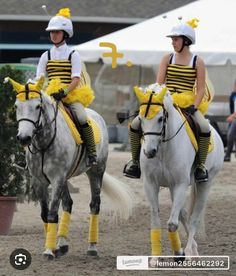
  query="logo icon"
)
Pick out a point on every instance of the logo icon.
point(114, 55)
point(20, 259)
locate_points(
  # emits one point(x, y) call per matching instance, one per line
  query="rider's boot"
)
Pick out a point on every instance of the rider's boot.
point(132, 169)
point(201, 173)
point(230, 145)
point(88, 138)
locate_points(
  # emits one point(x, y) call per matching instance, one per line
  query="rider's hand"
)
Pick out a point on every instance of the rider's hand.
point(62, 93)
point(191, 109)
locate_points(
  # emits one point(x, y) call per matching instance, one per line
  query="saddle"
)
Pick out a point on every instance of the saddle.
point(74, 126)
point(193, 130)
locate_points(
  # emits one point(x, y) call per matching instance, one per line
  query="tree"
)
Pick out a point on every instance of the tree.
point(12, 181)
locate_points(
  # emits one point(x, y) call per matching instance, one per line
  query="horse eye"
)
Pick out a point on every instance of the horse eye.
point(160, 119)
point(38, 106)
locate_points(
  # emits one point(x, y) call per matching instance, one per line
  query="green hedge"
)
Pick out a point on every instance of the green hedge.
point(12, 180)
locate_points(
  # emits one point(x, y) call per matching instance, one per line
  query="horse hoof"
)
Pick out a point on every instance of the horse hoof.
point(49, 254)
point(62, 250)
point(179, 259)
point(93, 253)
point(48, 257)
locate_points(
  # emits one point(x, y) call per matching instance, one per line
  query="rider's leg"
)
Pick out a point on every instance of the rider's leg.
point(86, 132)
point(133, 169)
point(231, 136)
point(201, 173)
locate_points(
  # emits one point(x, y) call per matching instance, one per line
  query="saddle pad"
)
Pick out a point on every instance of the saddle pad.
point(192, 136)
point(75, 133)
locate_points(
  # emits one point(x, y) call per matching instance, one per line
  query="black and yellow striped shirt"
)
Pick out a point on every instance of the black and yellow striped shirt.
point(59, 69)
point(180, 78)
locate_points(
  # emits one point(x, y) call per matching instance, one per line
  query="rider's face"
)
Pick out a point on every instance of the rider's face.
point(56, 36)
point(177, 43)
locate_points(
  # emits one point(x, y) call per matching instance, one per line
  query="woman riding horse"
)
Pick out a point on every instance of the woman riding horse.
point(179, 71)
point(60, 62)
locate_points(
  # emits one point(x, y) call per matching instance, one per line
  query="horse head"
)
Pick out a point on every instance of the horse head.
point(28, 108)
point(152, 115)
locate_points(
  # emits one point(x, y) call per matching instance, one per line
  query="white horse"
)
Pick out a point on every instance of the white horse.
point(52, 156)
point(167, 160)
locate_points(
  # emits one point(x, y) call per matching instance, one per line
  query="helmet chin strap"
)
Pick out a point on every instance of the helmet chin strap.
point(64, 38)
point(185, 43)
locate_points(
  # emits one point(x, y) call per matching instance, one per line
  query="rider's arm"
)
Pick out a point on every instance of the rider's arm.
point(161, 75)
point(41, 67)
point(200, 81)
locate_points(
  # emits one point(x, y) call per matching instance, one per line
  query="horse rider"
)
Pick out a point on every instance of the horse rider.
point(178, 71)
point(63, 63)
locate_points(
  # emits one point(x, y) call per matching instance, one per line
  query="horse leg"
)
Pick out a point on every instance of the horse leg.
point(152, 191)
point(95, 179)
point(183, 216)
point(51, 237)
point(178, 195)
point(43, 199)
point(63, 229)
point(200, 199)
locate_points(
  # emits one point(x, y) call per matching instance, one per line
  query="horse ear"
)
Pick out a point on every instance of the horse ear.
point(16, 86)
point(40, 82)
point(139, 93)
point(167, 101)
point(162, 93)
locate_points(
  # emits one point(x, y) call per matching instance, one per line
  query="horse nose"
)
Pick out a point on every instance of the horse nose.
point(24, 140)
point(151, 153)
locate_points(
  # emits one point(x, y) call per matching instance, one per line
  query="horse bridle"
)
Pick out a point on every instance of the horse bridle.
point(38, 128)
point(37, 125)
point(163, 129)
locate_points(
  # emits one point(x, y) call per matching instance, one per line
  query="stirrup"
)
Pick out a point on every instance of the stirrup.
point(227, 159)
point(201, 174)
point(132, 170)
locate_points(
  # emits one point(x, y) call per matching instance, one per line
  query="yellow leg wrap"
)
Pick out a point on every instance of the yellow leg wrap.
point(64, 225)
point(51, 237)
point(93, 229)
point(45, 225)
point(156, 242)
point(174, 241)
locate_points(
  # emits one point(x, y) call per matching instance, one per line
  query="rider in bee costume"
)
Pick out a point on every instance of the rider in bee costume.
point(179, 71)
point(62, 64)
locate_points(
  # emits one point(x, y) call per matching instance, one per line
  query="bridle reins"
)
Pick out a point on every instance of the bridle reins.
point(161, 133)
point(39, 128)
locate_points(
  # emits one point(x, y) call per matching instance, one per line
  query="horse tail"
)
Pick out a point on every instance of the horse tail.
point(121, 197)
point(193, 196)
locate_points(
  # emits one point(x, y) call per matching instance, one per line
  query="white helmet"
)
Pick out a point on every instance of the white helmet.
point(185, 29)
point(61, 22)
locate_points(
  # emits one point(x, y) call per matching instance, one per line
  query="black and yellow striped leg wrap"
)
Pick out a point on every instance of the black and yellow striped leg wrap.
point(88, 137)
point(204, 140)
point(135, 143)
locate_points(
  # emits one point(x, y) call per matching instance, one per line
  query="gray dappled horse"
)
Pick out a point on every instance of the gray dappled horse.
point(167, 160)
point(51, 155)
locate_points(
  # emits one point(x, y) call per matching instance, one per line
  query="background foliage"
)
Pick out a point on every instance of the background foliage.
point(12, 180)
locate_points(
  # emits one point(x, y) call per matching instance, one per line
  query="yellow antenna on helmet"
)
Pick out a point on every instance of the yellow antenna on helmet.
point(64, 12)
point(193, 22)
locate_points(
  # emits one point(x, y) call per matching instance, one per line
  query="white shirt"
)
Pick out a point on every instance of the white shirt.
point(58, 53)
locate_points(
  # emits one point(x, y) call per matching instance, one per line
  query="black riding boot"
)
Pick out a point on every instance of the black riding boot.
point(88, 138)
point(201, 173)
point(132, 169)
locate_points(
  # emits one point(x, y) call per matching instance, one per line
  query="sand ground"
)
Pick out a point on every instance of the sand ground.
point(127, 238)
